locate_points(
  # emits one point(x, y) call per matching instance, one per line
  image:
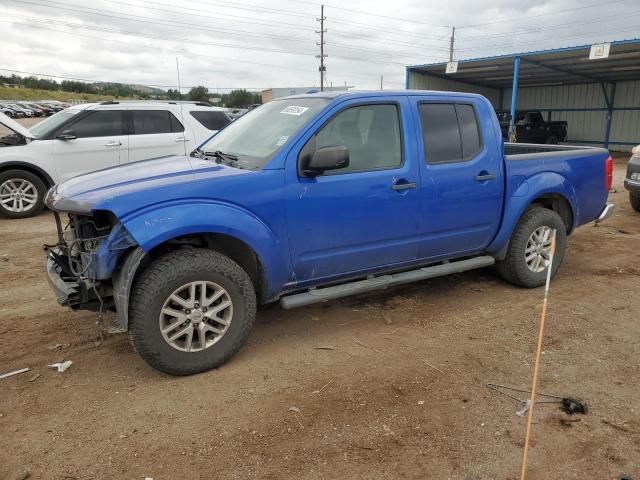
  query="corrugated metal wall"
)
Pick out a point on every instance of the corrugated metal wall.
point(584, 126)
point(625, 125)
point(424, 82)
point(587, 126)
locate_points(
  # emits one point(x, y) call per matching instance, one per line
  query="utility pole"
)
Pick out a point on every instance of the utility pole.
point(322, 55)
point(380, 82)
point(453, 39)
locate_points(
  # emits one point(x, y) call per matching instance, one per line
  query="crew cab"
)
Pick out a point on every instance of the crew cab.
point(89, 137)
point(307, 199)
point(530, 127)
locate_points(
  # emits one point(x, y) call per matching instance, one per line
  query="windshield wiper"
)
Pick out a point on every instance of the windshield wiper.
point(224, 158)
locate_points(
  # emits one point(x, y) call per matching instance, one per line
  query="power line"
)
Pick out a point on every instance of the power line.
point(635, 13)
point(102, 13)
point(528, 17)
point(363, 12)
point(217, 16)
point(175, 39)
point(194, 55)
point(150, 20)
point(146, 35)
point(155, 48)
point(589, 34)
point(357, 36)
point(384, 30)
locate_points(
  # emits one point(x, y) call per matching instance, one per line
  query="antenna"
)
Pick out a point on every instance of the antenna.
point(184, 138)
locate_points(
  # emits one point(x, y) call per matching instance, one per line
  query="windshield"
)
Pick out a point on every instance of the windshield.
point(43, 128)
point(256, 136)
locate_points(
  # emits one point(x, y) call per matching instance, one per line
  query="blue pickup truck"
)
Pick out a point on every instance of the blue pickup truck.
point(308, 199)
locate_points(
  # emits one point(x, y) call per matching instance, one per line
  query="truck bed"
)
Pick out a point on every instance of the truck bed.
point(580, 169)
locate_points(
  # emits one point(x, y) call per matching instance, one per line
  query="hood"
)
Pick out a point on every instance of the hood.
point(15, 126)
point(154, 180)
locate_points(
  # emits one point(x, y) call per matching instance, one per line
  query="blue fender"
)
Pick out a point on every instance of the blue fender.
point(160, 223)
point(525, 193)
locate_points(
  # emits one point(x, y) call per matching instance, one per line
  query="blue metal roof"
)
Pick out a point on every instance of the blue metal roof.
point(564, 65)
point(631, 41)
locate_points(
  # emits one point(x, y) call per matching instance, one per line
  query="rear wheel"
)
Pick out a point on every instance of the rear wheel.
point(634, 199)
point(190, 311)
point(529, 248)
point(21, 194)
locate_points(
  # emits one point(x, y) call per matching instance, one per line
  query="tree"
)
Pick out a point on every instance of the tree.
point(199, 94)
point(173, 94)
point(241, 98)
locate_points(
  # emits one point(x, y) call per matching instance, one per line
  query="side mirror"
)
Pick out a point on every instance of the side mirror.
point(327, 158)
point(67, 135)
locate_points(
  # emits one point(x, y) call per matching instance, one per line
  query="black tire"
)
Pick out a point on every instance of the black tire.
point(514, 268)
point(552, 140)
point(634, 200)
point(19, 176)
point(158, 281)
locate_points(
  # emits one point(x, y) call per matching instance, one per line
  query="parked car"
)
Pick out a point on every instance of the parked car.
point(27, 111)
point(90, 137)
point(46, 110)
point(54, 106)
point(307, 199)
point(532, 128)
point(37, 111)
point(7, 111)
point(15, 112)
point(632, 180)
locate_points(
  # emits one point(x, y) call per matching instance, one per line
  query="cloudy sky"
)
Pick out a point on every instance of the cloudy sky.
point(255, 44)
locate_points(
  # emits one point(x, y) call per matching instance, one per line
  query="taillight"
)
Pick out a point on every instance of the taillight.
point(608, 173)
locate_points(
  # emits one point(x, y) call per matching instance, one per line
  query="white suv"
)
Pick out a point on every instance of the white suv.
point(89, 137)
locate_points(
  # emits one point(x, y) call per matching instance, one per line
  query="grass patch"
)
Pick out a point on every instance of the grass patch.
point(8, 93)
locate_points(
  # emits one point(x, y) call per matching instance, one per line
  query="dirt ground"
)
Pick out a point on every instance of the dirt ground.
point(387, 385)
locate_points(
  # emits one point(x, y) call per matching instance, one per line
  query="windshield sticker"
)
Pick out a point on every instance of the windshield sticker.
point(293, 110)
point(282, 140)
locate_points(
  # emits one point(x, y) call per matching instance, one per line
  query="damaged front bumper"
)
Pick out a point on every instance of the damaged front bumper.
point(64, 290)
point(81, 267)
point(76, 293)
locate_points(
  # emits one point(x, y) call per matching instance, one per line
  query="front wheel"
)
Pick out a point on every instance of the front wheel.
point(21, 194)
point(529, 248)
point(634, 199)
point(190, 311)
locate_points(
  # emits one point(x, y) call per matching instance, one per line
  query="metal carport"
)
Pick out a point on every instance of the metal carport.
point(601, 96)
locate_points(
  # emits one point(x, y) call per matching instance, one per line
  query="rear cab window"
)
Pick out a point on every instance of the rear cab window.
point(450, 131)
point(211, 120)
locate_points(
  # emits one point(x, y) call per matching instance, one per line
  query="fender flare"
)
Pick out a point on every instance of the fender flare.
point(30, 167)
point(526, 193)
point(158, 224)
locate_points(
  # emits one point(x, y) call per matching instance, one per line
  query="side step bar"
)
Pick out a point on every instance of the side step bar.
point(380, 283)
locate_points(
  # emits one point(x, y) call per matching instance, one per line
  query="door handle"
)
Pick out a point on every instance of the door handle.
point(182, 139)
point(485, 176)
point(113, 144)
point(403, 186)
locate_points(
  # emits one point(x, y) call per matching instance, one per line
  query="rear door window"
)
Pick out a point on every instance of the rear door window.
point(150, 122)
point(105, 123)
point(211, 120)
point(450, 132)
